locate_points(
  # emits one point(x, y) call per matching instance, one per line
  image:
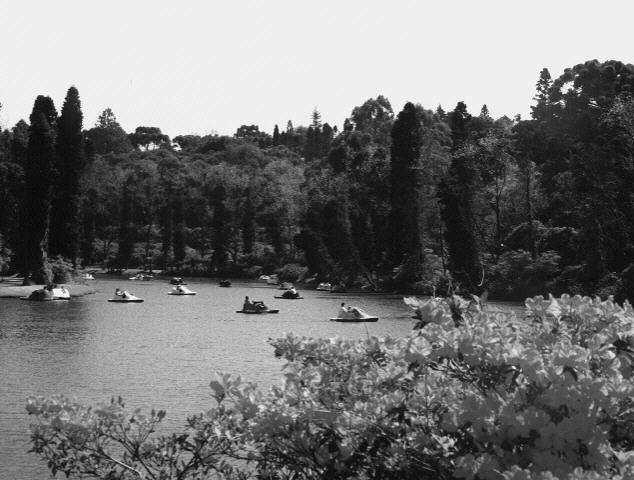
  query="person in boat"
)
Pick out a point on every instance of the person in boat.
point(343, 311)
point(118, 293)
point(290, 293)
point(247, 305)
point(350, 312)
point(179, 288)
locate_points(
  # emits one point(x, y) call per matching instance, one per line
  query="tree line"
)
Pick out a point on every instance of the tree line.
point(420, 200)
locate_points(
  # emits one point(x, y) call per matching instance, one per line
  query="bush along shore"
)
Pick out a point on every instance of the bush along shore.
point(468, 394)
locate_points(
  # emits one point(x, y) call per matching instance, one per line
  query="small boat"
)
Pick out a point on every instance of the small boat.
point(259, 312)
point(338, 289)
point(224, 283)
point(48, 294)
point(355, 320)
point(125, 297)
point(177, 281)
point(141, 276)
point(181, 290)
point(325, 287)
point(290, 294)
point(353, 315)
point(87, 276)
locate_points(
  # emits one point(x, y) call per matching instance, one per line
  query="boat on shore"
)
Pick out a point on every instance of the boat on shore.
point(324, 287)
point(48, 294)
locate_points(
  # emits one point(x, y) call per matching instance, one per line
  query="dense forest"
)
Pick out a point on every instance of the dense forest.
point(417, 200)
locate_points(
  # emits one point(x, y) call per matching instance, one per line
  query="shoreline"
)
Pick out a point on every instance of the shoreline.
point(17, 291)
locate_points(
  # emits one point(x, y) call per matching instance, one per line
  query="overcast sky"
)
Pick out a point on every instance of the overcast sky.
point(203, 66)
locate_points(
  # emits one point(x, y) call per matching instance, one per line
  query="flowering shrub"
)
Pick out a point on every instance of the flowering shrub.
point(468, 394)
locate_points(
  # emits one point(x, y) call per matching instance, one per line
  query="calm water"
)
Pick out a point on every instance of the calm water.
point(161, 353)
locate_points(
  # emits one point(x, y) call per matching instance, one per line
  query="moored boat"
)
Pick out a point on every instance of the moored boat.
point(47, 294)
point(324, 287)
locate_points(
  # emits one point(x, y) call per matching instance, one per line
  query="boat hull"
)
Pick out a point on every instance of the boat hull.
point(120, 300)
point(289, 298)
point(355, 320)
point(250, 312)
point(45, 299)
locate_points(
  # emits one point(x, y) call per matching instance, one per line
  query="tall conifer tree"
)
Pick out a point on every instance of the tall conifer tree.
point(276, 135)
point(64, 228)
point(406, 241)
point(248, 223)
point(220, 228)
point(456, 194)
point(36, 205)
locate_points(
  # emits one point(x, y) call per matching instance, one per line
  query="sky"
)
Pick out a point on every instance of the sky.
point(197, 67)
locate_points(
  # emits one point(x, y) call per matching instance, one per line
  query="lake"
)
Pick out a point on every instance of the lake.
point(161, 353)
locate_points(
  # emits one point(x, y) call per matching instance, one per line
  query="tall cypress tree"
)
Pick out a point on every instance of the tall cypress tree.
point(36, 204)
point(86, 243)
point(406, 239)
point(276, 135)
point(126, 225)
point(178, 222)
point(248, 223)
point(65, 225)
point(459, 123)
point(19, 142)
point(220, 228)
point(45, 106)
point(456, 193)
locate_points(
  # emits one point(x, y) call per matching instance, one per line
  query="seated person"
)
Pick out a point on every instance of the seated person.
point(117, 292)
point(247, 305)
point(343, 311)
point(290, 293)
point(179, 289)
